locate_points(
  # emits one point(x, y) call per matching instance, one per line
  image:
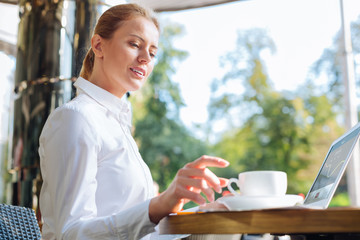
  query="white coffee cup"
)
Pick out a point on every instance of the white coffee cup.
point(260, 183)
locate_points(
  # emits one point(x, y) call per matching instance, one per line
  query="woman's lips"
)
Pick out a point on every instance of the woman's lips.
point(138, 71)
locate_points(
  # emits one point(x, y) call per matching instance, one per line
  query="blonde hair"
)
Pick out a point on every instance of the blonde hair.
point(109, 22)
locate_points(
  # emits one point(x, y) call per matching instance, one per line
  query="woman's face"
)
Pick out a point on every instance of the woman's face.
point(127, 58)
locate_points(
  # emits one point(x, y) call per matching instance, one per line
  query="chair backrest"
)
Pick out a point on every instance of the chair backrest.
point(18, 222)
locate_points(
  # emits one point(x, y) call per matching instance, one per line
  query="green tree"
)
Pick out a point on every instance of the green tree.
point(330, 64)
point(164, 142)
point(277, 130)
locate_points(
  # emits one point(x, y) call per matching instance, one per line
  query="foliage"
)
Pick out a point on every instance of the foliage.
point(278, 130)
point(330, 63)
point(164, 142)
point(340, 200)
point(5, 176)
point(355, 36)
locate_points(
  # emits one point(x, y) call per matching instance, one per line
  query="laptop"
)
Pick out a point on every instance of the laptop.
point(332, 170)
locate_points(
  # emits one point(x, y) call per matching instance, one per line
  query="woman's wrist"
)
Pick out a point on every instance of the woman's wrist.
point(158, 209)
point(162, 205)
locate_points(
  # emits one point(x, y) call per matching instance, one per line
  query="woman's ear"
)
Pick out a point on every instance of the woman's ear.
point(96, 45)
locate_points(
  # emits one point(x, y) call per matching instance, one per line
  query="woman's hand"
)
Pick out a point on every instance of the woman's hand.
point(190, 181)
point(217, 205)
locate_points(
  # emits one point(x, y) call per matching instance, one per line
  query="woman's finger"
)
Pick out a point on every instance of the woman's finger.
point(185, 193)
point(202, 173)
point(209, 193)
point(223, 182)
point(208, 161)
point(214, 206)
point(197, 186)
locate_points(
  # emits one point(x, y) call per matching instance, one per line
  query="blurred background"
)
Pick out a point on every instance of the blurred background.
point(263, 84)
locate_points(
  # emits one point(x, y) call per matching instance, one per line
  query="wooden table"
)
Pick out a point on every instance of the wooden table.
point(286, 221)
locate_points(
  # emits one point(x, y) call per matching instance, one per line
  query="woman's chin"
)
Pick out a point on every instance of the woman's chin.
point(136, 86)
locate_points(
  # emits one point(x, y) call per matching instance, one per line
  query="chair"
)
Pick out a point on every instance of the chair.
point(18, 222)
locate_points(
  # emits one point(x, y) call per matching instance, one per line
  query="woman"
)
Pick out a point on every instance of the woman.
point(95, 183)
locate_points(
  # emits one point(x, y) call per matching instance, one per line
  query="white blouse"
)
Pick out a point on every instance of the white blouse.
point(96, 185)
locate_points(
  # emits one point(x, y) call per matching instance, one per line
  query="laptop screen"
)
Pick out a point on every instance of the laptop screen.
point(332, 170)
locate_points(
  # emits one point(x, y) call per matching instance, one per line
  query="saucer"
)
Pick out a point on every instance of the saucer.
point(241, 203)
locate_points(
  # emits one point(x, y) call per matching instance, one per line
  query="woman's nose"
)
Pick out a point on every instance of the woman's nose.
point(144, 57)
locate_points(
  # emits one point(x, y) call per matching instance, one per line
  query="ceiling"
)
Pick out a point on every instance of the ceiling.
point(15, 2)
point(176, 5)
point(163, 5)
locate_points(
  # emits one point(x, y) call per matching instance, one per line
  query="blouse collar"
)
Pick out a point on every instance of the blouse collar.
point(118, 106)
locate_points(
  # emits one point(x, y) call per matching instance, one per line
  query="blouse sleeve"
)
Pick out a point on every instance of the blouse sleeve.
point(68, 152)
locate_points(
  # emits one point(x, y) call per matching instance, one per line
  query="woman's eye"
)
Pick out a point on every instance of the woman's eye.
point(153, 55)
point(134, 45)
